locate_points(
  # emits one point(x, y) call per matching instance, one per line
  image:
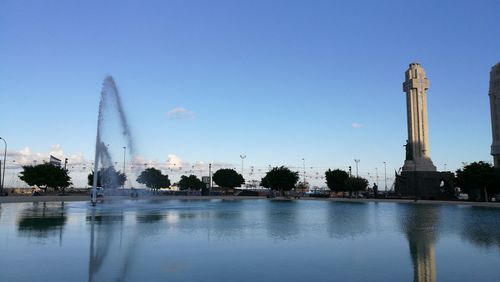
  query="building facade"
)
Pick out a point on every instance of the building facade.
point(494, 94)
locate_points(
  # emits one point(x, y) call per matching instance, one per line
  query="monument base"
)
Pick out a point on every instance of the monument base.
point(419, 164)
point(430, 185)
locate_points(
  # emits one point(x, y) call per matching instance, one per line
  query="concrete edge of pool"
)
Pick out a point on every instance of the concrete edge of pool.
point(24, 199)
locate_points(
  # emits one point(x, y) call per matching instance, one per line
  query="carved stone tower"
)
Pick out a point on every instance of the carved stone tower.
point(494, 94)
point(417, 147)
point(419, 177)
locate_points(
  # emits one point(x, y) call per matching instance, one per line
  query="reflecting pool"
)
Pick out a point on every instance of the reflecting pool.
point(248, 240)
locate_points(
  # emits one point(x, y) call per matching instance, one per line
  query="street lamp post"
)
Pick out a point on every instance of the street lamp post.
point(357, 162)
point(385, 176)
point(376, 174)
point(243, 157)
point(124, 153)
point(304, 167)
point(209, 179)
point(4, 165)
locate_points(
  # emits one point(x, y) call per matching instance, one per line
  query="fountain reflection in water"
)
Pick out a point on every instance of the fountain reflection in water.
point(110, 106)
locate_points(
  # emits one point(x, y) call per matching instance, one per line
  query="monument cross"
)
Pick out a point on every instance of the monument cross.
point(415, 86)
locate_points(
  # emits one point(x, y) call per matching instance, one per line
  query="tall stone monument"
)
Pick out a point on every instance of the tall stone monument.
point(419, 178)
point(494, 94)
point(417, 146)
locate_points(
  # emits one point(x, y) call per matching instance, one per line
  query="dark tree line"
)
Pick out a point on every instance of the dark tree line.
point(479, 180)
point(46, 176)
point(340, 181)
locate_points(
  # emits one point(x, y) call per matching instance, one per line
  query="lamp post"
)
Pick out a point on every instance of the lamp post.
point(357, 162)
point(385, 176)
point(209, 179)
point(243, 157)
point(304, 167)
point(376, 174)
point(4, 165)
point(124, 152)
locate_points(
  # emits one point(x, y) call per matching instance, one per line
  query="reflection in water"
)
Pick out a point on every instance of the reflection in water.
point(226, 222)
point(226, 241)
point(42, 220)
point(149, 218)
point(419, 223)
point(347, 219)
point(282, 220)
point(480, 226)
point(101, 238)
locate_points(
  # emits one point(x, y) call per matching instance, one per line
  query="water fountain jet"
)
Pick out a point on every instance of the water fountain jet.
point(110, 100)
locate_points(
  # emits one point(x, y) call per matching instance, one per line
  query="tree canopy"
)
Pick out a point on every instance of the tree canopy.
point(153, 179)
point(356, 184)
point(228, 178)
point(190, 182)
point(46, 176)
point(107, 177)
point(336, 180)
point(280, 178)
point(478, 176)
point(302, 187)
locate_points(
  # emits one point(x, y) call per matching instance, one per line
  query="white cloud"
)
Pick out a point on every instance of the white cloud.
point(356, 125)
point(26, 156)
point(174, 161)
point(180, 113)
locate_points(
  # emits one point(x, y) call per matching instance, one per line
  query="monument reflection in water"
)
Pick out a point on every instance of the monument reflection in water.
point(420, 226)
point(247, 240)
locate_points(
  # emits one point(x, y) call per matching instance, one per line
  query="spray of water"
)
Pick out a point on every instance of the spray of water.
point(110, 102)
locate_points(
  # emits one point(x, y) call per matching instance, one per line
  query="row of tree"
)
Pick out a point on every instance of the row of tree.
point(279, 178)
point(478, 177)
point(480, 180)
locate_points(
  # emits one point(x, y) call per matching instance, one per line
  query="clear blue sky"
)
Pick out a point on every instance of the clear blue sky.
point(276, 80)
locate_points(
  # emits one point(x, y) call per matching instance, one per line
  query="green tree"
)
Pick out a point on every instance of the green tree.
point(280, 179)
point(302, 187)
point(107, 177)
point(46, 176)
point(153, 179)
point(228, 178)
point(190, 183)
point(336, 180)
point(478, 177)
point(356, 184)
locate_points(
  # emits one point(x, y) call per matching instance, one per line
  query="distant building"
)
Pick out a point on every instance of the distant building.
point(494, 94)
point(55, 161)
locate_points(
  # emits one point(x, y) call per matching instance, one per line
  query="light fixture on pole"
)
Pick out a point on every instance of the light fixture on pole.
point(357, 162)
point(385, 176)
point(4, 165)
point(243, 157)
point(209, 179)
point(124, 153)
point(304, 167)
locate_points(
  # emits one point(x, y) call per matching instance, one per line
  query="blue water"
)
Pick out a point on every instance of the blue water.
point(248, 240)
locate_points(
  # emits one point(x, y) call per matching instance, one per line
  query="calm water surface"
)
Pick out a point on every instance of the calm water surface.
point(248, 240)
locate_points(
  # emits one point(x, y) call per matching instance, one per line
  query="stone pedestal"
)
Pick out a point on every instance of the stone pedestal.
point(429, 185)
point(418, 184)
point(420, 164)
